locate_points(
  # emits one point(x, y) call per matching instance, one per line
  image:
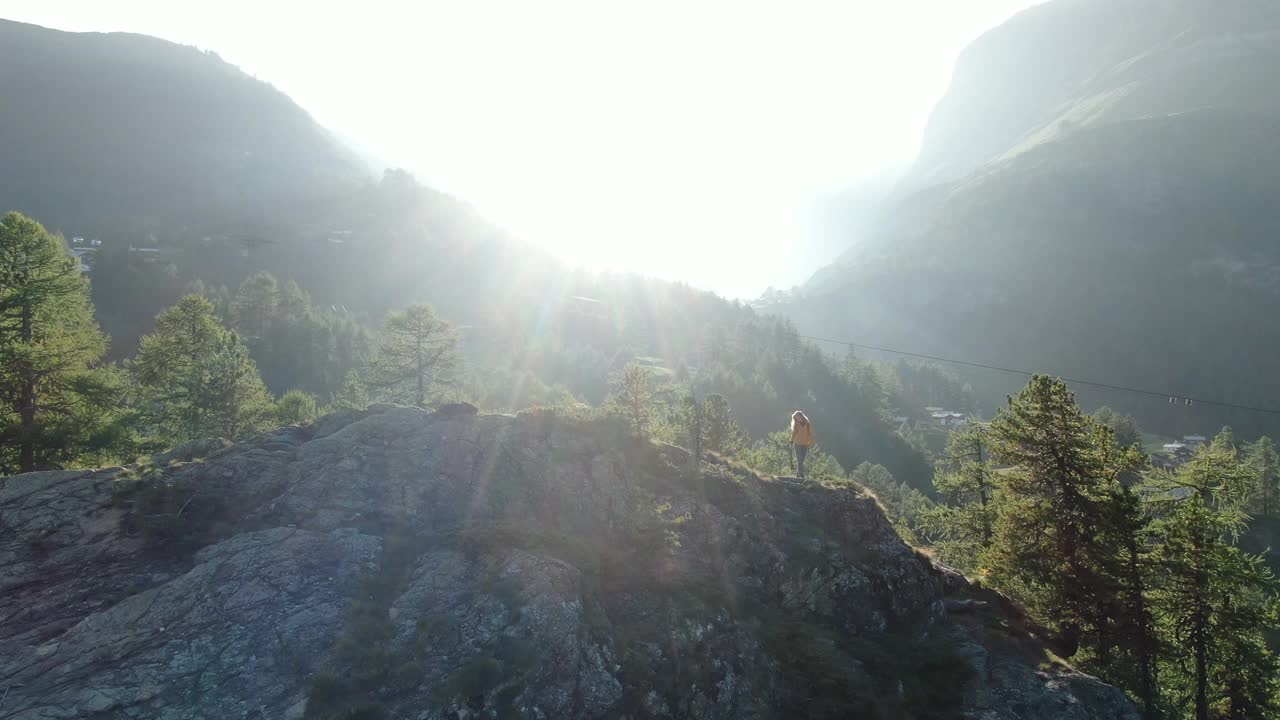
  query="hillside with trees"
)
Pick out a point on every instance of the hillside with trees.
point(122, 135)
point(387, 418)
point(1094, 198)
point(1143, 576)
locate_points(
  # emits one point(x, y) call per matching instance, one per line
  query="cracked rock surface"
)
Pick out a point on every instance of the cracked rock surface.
point(393, 563)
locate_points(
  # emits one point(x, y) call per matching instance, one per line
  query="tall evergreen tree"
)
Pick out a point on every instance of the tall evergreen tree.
point(695, 428)
point(166, 367)
point(56, 402)
point(1213, 601)
point(1226, 440)
point(1054, 544)
point(255, 304)
point(710, 417)
point(1265, 464)
point(723, 435)
point(354, 394)
point(965, 525)
point(1124, 426)
point(230, 396)
point(416, 356)
point(195, 378)
point(292, 302)
point(632, 397)
point(1127, 530)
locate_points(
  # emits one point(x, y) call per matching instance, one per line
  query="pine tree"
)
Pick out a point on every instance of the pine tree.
point(965, 526)
point(417, 355)
point(230, 395)
point(255, 304)
point(1213, 601)
point(1124, 426)
point(1226, 440)
point(1265, 463)
point(165, 367)
point(292, 302)
point(1051, 546)
point(723, 435)
point(632, 398)
point(196, 378)
point(863, 376)
point(1127, 529)
point(695, 428)
point(57, 404)
point(354, 395)
point(712, 418)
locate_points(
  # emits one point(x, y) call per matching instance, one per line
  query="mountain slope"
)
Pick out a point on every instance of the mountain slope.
point(1094, 198)
point(399, 563)
point(104, 131)
point(1073, 63)
point(220, 176)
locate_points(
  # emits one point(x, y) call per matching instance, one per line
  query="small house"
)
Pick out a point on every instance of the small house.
point(84, 251)
point(947, 418)
point(1174, 454)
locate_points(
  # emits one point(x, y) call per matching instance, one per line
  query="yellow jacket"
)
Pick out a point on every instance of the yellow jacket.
point(802, 434)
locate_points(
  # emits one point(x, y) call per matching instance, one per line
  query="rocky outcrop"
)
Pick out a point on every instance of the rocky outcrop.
point(402, 564)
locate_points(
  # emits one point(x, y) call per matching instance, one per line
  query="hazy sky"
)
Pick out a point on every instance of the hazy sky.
point(689, 139)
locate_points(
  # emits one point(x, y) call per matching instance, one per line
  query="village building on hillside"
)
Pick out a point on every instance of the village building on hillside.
point(148, 254)
point(85, 252)
point(943, 417)
point(1172, 455)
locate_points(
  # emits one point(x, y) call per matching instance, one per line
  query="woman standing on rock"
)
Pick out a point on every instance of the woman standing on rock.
point(801, 439)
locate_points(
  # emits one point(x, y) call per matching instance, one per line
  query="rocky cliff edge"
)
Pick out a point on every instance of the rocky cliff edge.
point(398, 563)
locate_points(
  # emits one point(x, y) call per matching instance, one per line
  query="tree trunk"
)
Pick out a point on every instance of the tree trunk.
point(695, 436)
point(27, 446)
point(422, 391)
point(1148, 687)
point(1202, 673)
point(987, 531)
point(193, 384)
point(1200, 639)
point(27, 403)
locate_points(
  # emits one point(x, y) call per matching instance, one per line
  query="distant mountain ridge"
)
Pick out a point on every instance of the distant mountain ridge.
point(1095, 198)
point(119, 129)
point(1072, 64)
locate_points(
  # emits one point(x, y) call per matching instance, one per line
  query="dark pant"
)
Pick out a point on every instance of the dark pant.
point(801, 452)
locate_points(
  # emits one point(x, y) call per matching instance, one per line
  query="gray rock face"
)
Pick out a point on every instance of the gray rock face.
point(399, 563)
point(185, 649)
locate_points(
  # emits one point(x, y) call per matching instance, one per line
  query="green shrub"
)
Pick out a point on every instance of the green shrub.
point(295, 407)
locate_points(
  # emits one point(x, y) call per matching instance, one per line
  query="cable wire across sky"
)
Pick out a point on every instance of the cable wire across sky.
point(1180, 398)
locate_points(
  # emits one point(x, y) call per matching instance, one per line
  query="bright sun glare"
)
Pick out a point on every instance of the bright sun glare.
point(690, 141)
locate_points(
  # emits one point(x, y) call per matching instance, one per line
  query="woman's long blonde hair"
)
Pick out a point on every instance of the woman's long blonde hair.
point(798, 416)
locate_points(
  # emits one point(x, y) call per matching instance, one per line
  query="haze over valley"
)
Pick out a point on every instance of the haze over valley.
point(699, 361)
point(654, 140)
